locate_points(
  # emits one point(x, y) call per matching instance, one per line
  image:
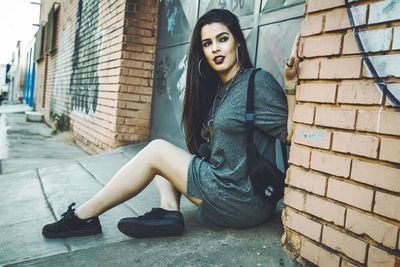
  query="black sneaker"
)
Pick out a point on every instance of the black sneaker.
point(70, 225)
point(156, 223)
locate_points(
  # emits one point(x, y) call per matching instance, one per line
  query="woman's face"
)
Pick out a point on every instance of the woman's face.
point(220, 48)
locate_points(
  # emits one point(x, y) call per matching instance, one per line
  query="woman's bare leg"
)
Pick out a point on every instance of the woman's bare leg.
point(170, 198)
point(158, 157)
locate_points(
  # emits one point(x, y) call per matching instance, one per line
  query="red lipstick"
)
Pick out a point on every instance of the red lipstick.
point(219, 60)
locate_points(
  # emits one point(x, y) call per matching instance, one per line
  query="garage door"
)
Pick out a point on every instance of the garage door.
point(268, 25)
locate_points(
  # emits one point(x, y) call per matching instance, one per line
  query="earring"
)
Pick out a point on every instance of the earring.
point(199, 69)
point(237, 54)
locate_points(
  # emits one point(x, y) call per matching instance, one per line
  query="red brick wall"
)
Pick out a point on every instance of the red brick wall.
point(343, 194)
point(137, 70)
point(119, 59)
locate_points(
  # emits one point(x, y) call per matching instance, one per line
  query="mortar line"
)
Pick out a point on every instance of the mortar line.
point(101, 183)
point(49, 205)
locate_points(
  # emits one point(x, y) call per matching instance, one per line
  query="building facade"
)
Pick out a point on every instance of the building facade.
point(342, 200)
point(95, 72)
point(114, 73)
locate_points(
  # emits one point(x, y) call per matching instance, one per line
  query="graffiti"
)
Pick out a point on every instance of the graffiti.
point(222, 4)
point(171, 18)
point(389, 7)
point(170, 73)
point(182, 80)
point(239, 3)
point(84, 79)
point(379, 82)
point(163, 74)
point(314, 136)
point(233, 4)
point(161, 79)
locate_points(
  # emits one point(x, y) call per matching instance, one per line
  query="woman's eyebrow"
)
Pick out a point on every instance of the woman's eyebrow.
point(218, 35)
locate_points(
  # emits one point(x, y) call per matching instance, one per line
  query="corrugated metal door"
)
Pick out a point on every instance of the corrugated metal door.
point(268, 25)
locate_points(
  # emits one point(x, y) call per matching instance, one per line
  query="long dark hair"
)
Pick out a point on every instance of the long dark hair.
point(200, 91)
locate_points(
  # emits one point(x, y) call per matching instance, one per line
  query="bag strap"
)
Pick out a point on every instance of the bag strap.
point(250, 117)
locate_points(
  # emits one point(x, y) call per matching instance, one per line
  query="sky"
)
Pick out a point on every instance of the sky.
point(16, 19)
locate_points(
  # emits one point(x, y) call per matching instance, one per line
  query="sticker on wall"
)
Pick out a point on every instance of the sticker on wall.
point(238, 7)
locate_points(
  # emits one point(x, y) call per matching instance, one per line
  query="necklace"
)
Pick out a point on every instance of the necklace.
point(226, 88)
point(206, 131)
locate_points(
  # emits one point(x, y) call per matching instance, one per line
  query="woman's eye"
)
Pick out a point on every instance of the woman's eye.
point(224, 39)
point(205, 44)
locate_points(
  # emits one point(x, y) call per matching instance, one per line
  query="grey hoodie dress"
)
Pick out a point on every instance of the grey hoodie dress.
point(222, 182)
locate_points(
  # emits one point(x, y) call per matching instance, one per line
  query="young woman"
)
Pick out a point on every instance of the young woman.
point(213, 173)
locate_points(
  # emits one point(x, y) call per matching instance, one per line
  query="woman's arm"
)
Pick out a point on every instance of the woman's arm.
point(290, 82)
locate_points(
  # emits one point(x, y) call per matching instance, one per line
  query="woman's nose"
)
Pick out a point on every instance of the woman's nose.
point(215, 47)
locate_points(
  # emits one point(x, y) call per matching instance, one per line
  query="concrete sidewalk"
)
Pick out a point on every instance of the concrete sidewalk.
point(34, 197)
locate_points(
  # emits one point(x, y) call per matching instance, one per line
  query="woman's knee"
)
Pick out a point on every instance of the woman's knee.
point(155, 149)
point(157, 146)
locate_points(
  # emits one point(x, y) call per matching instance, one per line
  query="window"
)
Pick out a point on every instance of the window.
point(39, 42)
point(51, 32)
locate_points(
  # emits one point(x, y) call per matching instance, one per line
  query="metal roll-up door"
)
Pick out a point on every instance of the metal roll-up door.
point(268, 25)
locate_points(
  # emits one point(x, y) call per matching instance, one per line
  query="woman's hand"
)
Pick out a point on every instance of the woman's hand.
point(292, 66)
point(290, 82)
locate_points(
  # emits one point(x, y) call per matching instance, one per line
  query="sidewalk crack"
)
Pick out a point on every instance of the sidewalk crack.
point(101, 183)
point(49, 205)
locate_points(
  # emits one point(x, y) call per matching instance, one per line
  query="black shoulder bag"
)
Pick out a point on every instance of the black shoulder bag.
point(267, 180)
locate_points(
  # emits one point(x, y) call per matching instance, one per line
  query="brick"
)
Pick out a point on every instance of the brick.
point(390, 150)
point(291, 240)
point(379, 258)
point(387, 205)
point(317, 255)
point(396, 39)
point(309, 69)
point(372, 41)
point(358, 93)
point(311, 136)
point(299, 156)
point(350, 246)
point(394, 89)
point(356, 144)
point(294, 198)
point(320, 93)
point(380, 231)
point(137, 122)
point(335, 117)
point(331, 164)
point(311, 25)
point(384, 11)
point(325, 210)
point(340, 68)
point(385, 66)
point(347, 264)
point(301, 224)
point(309, 181)
point(303, 114)
point(376, 175)
point(338, 19)
point(389, 123)
point(322, 45)
point(350, 194)
point(367, 120)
